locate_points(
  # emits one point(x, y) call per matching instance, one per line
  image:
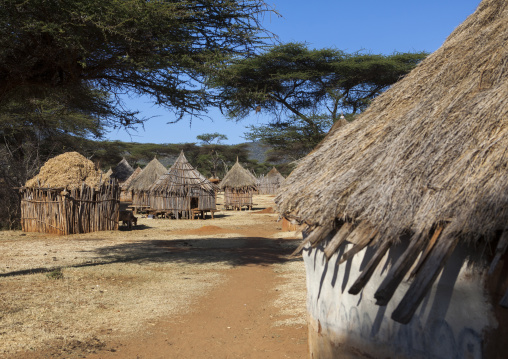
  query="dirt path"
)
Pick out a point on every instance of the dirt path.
point(235, 320)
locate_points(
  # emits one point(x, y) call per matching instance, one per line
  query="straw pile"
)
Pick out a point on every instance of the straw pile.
point(68, 170)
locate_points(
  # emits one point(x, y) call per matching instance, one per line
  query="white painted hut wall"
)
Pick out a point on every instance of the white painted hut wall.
point(448, 324)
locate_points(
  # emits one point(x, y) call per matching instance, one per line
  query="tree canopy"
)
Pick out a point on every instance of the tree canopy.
point(300, 88)
point(162, 49)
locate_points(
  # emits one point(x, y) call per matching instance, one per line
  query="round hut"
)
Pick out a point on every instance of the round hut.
point(405, 250)
point(140, 186)
point(238, 186)
point(270, 183)
point(183, 192)
point(69, 196)
point(122, 171)
point(125, 194)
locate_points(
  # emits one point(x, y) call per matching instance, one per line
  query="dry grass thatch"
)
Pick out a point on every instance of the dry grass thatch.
point(174, 189)
point(122, 170)
point(153, 170)
point(68, 170)
point(125, 185)
point(427, 154)
point(238, 177)
point(270, 183)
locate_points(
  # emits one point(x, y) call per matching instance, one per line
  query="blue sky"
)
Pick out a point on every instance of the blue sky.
point(370, 25)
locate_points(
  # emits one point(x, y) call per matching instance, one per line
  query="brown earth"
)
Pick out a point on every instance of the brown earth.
point(222, 288)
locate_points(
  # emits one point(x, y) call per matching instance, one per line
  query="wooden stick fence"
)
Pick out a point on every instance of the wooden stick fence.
point(80, 210)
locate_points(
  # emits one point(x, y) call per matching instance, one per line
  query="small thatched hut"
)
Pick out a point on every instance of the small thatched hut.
point(238, 185)
point(140, 186)
point(270, 183)
point(69, 196)
point(183, 191)
point(126, 194)
point(122, 171)
point(407, 209)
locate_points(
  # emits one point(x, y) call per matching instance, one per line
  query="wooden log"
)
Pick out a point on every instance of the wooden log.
point(371, 266)
point(400, 269)
point(365, 236)
point(425, 279)
point(316, 236)
point(425, 254)
point(338, 239)
point(502, 245)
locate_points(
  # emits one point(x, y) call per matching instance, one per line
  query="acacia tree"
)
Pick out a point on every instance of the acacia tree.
point(162, 49)
point(301, 88)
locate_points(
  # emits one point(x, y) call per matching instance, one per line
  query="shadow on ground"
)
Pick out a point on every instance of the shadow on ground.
point(233, 251)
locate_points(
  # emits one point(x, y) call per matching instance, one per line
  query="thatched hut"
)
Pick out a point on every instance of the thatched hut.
point(183, 191)
point(122, 171)
point(407, 209)
point(69, 196)
point(238, 185)
point(125, 193)
point(140, 186)
point(270, 183)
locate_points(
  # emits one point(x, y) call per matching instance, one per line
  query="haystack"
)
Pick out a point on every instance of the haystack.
point(140, 186)
point(69, 196)
point(238, 185)
point(427, 160)
point(183, 190)
point(270, 183)
point(69, 170)
point(122, 171)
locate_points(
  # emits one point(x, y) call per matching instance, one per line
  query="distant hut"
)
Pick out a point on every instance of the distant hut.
point(122, 171)
point(238, 185)
point(69, 196)
point(140, 186)
point(126, 194)
point(407, 234)
point(108, 173)
point(270, 183)
point(183, 191)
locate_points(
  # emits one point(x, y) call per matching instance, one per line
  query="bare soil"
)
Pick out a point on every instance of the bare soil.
point(221, 288)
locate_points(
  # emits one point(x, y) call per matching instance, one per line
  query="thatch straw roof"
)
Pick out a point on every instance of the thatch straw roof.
point(125, 185)
point(68, 170)
point(238, 177)
point(180, 177)
point(153, 170)
point(122, 170)
point(428, 154)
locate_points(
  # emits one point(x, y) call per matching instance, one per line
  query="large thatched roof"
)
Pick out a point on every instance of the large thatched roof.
point(238, 177)
point(134, 174)
point(427, 158)
point(152, 171)
point(180, 178)
point(122, 170)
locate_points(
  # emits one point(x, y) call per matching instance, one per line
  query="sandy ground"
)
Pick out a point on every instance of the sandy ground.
point(221, 288)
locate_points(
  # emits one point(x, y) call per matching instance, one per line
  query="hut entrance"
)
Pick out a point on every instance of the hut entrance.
point(194, 203)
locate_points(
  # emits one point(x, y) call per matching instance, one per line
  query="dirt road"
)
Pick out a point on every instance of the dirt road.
point(221, 288)
point(234, 320)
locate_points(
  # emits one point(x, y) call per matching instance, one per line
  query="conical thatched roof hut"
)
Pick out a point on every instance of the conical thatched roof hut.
point(122, 171)
point(183, 190)
point(126, 194)
point(69, 196)
point(140, 186)
point(238, 185)
point(417, 179)
point(270, 183)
